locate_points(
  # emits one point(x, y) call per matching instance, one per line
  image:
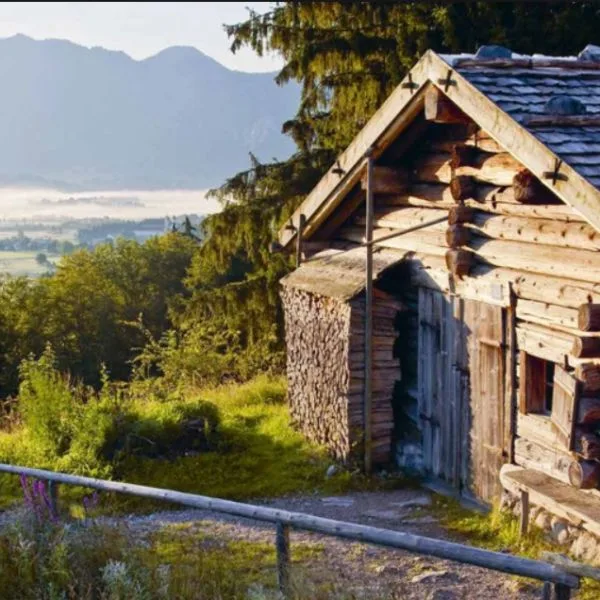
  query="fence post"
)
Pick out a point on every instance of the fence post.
point(53, 497)
point(282, 545)
point(524, 522)
point(561, 592)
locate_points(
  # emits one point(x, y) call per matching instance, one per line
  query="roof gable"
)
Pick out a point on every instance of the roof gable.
point(540, 152)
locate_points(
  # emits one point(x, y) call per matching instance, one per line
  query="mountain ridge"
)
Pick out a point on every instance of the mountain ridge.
point(98, 118)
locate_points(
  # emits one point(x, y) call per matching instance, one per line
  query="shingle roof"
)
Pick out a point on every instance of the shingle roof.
point(523, 86)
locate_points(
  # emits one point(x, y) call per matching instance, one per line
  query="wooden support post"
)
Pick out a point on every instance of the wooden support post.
point(368, 313)
point(53, 497)
point(301, 223)
point(547, 591)
point(524, 522)
point(282, 545)
point(561, 592)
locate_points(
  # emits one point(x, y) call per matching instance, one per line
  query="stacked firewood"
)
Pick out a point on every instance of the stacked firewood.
point(326, 371)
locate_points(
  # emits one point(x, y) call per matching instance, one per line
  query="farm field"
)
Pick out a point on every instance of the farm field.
point(24, 263)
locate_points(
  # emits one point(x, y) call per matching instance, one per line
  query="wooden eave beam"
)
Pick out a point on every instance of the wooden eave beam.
point(396, 113)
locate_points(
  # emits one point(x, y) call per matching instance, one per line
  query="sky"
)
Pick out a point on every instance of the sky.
point(140, 29)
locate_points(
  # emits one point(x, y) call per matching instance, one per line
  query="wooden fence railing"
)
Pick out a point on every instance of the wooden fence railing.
point(557, 581)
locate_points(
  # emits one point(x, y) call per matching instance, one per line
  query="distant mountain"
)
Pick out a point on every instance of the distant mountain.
point(97, 119)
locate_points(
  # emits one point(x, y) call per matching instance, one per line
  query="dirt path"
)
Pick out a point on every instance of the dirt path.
point(363, 568)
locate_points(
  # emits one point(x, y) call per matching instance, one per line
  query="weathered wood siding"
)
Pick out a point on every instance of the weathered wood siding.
point(521, 249)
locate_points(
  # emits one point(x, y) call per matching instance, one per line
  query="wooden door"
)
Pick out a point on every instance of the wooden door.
point(461, 391)
point(484, 324)
point(441, 381)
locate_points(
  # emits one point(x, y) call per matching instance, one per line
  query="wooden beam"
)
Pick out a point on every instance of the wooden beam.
point(586, 347)
point(386, 180)
point(589, 317)
point(524, 520)
point(439, 109)
point(457, 236)
point(530, 190)
point(459, 262)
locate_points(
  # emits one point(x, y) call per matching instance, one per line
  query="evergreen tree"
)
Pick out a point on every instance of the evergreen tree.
point(348, 57)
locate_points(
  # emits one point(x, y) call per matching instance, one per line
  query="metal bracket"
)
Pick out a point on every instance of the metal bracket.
point(448, 81)
point(410, 84)
point(337, 169)
point(555, 175)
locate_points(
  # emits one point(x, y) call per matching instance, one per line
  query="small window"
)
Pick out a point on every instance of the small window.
point(536, 385)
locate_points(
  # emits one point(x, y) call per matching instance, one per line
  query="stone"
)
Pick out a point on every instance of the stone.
point(559, 530)
point(534, 512)
point(426, 520)
point(441, 594)
point(339, 501)
point(564, 105)
point(386, 515)
point(428, 576)
point(331, 471)
point(423, 501)
point(506, 501)
point(585, 547)
point(590, 53)
point(493, 51)
point(543, 520)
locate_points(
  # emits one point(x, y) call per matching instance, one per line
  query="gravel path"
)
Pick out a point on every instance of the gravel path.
point(363, 568)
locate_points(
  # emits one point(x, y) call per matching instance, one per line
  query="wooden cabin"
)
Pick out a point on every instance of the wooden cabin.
point(479, 182)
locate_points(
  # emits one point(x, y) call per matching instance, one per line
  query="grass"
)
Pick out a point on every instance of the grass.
point(23, 263)
point(89, 561)
point(257, 453)
point(499, 531)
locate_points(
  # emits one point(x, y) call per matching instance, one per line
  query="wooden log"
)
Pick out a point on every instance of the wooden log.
point(495, 169)
point(457, 236)
point(530, 190)
point(550, 315)
point(440, 109)
point(495, 200)
point(460, 214)
point(443, 139)
point(585, 474)
point(586, 347)
point(404, 217)
point(589, 375)
point(571, 566)
point(459, 262)
point(462, 187)
point(465, 156)
point(588, 411)
point(533, 286)
point(589, 317)
point(547, 260)
point(386, 180)
point(539, 231)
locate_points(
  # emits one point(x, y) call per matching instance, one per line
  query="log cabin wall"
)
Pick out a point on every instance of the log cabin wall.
point(507, 242)
point(325, 370)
